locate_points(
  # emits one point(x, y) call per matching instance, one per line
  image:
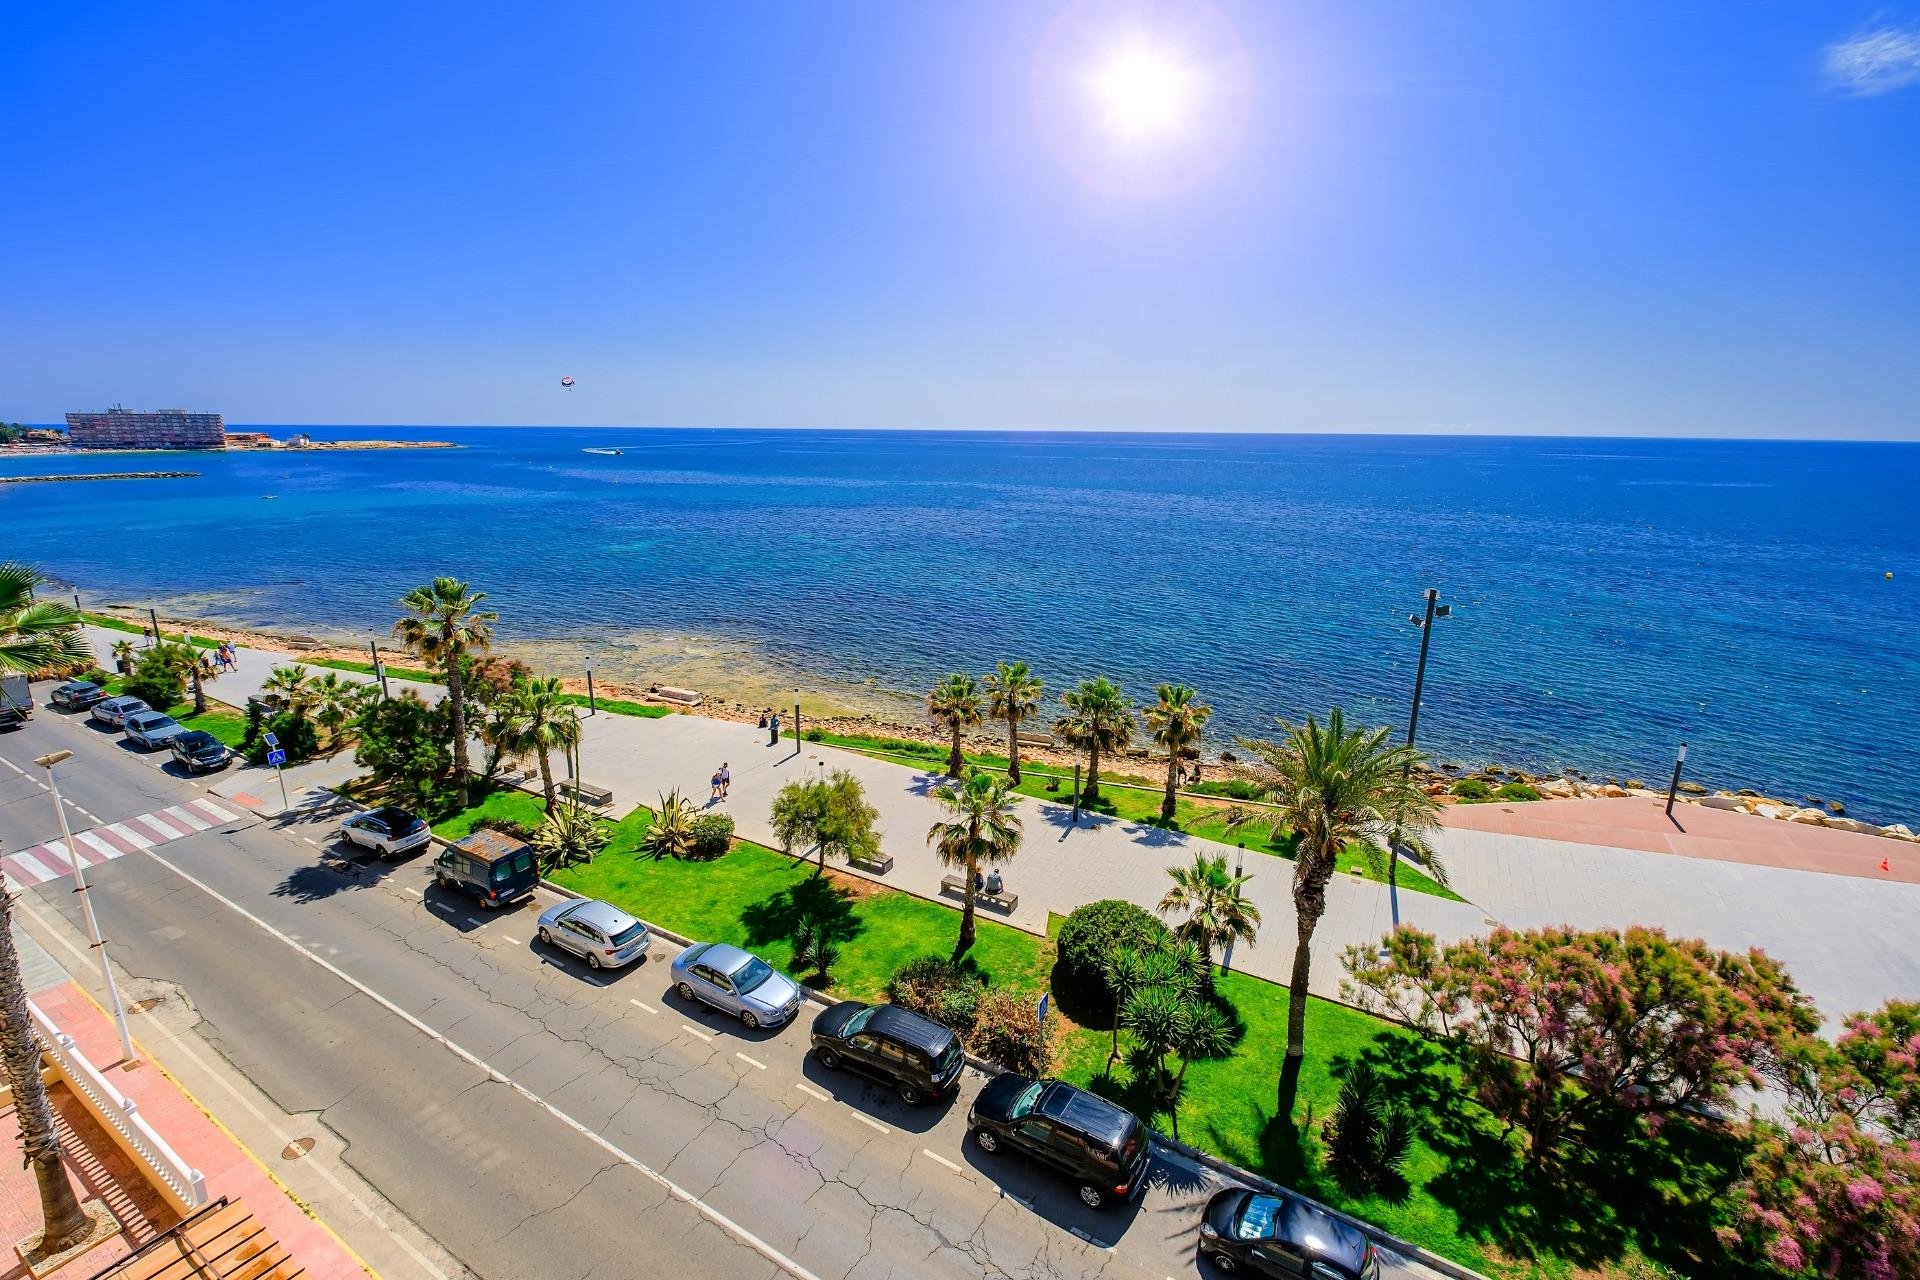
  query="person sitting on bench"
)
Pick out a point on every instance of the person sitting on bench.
point(995, 887)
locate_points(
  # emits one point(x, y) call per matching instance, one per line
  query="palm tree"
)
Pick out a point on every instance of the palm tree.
point(542, 719)
point(123, 656)
point(982, 827)
point(336, 701)
point(1201, 1031)
point(1098, 719)
point(955, 703)
point(1209, 896)
point(1126, 971)
point(36, 633)
point(444, 623)
point(1334, 785)
point(1013, 694)
point(63, 1221)
point(293, 687)
point(1177, 720)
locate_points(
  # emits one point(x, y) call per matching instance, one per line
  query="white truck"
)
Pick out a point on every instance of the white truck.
point(16, 700)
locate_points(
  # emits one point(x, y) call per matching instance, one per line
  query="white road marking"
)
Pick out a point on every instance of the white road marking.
point(697, 1035)
point(410, 889)
point(466, 1055)
point(749, 1061)
point(812, 1092)
point(85, 813)
point(937, 1158)
point(16, 768)
point(870, 1122)
point(126, 832)
point(512, 942)
point(310, 840)
point(641, 1004)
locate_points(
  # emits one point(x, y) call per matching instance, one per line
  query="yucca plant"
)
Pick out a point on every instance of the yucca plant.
point(671, 834)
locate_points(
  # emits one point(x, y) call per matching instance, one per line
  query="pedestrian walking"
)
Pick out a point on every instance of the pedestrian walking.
point(726, 779)
point(715, 796)
point(773, 729)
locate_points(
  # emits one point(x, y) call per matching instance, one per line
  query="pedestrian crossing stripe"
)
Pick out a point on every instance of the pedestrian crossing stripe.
point(43, 862)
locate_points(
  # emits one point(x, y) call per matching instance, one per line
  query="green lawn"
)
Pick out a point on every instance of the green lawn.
point(753, 895)
point(139, 628)
point(366, 669)
point(507, 803)
point(621, 706)
point(228, 726)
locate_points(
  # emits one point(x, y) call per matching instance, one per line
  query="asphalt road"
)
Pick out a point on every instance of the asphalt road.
point(535, 1117)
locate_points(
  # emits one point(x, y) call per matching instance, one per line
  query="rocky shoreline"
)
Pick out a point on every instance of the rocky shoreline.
point(1445, 781)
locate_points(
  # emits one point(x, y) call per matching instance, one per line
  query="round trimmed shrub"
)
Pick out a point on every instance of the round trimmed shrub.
point(1516, 791)
point(1471, 789)
point(1090, 935)
point(712, 835)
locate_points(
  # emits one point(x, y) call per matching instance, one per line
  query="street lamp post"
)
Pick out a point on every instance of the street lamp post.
point(1673, 786)
point(1239, 862)
point(1434, 610)
point(86, 904)
point(379, 667)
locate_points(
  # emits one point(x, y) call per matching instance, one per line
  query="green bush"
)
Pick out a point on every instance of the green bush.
point(712, 835)
point(1516, 791)
point(937, 988)
point(1472, 790)
point(1092, 933)
point(1369, 1136)
point(507, 827)
point(1006, 1032)
point(1232, 788)
point(297, 736)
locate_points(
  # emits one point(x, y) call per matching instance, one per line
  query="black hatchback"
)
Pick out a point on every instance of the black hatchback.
point(920, 1058)
point(199, 750)
point(1101, 1147)
point(1251, 1233)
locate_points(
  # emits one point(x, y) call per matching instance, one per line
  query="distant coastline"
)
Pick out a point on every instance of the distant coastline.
point(103, 475)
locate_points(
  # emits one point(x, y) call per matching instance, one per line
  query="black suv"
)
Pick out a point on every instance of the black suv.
point(919, 1058)
point(1102, 1147)
point(199, 750)
point(1249, 1233)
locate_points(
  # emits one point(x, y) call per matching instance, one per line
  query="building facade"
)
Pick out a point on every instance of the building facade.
point(118, 428)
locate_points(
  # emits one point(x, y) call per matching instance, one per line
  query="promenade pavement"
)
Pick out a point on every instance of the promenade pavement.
point(1743, 881)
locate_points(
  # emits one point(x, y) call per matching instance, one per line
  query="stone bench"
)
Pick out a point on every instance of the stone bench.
point(1003, 902)
point(678, 697)
point(879, 863)
point(587, 793)
point(1034, 739)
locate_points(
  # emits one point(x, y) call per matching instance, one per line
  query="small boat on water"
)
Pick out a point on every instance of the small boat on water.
point(605, 453)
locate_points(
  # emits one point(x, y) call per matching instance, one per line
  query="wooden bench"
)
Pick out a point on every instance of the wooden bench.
point(1034, 739)
point(587, 793)
point(1003, 902)
point(678, 697)
point(879, 863)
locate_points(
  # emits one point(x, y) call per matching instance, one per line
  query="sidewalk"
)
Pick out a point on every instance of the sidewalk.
point(228, 1168)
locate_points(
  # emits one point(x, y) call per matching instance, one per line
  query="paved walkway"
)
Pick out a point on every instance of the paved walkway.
point(1744, 881)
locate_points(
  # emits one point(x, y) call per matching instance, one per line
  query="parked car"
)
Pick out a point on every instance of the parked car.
point(493, 867)
point(16, 699)
point(200, 751)
point(150, 730)
point(115, 710)
point(920, 1058)
point(76, 695)
point(598, 932)
point(1251, 1233)
point(736, 982)
point(1102, 1148)
point(389, 832)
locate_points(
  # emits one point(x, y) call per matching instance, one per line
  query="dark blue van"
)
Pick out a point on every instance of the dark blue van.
point(494, 867)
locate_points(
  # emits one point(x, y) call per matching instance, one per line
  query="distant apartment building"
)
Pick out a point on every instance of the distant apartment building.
point(118, 428)
point(249, 440)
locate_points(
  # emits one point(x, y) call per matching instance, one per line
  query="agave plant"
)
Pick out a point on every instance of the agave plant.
point(572, 833)
point(671, 834)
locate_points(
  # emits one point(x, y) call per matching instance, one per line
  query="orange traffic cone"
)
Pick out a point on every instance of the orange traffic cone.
point(1886, 864)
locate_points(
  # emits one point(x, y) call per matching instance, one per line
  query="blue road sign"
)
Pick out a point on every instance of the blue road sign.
point(1046, 998)
point(277, 757)
point(272, 741)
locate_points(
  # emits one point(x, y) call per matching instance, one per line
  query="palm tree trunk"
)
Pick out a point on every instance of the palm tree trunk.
point(1167, 802)
point(61, 1215)
point(1013, 750)
point(456, 702)
point(954, 761)
point(1173, 1102)
point(1309, 901)
point(1093, 772)
point(199, 692)
point(546, 776)
point(965, 942)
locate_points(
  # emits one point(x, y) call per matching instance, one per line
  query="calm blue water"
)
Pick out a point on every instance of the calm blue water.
point(1611, 597)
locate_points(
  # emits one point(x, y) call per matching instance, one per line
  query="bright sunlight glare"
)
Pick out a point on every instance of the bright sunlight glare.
point(1145, 92)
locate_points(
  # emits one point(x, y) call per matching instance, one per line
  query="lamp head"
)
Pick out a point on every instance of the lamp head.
point(53, 758)
point(1442, 610)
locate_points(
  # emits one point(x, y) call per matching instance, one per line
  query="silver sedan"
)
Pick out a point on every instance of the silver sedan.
point(598, 932)
point(736, 982)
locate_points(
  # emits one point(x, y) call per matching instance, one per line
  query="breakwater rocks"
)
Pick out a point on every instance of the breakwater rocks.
point(104, 475)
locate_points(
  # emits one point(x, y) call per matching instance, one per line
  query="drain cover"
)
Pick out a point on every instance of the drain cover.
point(297, 1148)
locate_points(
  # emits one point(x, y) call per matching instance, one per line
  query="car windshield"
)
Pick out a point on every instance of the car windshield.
point(750, 975)
point(948, 1056)
point(1256, 1219)
point(628, 934)
point(1024, 1104)
point(857, 1022)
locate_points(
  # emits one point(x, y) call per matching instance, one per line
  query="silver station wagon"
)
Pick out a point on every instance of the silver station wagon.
point(736, 982)
point(598, 932)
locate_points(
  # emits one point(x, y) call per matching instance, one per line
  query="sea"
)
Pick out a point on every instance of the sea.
point(1609, 598)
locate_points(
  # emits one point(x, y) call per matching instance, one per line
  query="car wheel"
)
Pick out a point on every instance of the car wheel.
point(546, 937)
point(1092, 1196)
point(829, 1059)
point(989, 1141)
point(909, 1093)
point(686, 991)
point(440, 879)
point(748, 1021)
point(1224, 1263)
point(593, 960)
point(489, 904)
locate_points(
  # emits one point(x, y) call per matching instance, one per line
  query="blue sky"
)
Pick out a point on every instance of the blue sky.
point(1673, 218)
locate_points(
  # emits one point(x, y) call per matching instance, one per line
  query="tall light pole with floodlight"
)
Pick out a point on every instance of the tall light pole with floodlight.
point(1434, 610)
point(86, 904)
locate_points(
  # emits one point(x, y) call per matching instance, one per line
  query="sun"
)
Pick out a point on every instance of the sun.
point(1145, 92)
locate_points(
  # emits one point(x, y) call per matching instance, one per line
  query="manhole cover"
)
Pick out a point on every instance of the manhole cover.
point(146, 1006)
point(297, 1148)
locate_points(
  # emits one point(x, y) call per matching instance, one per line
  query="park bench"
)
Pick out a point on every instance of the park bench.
point(588, 794)
point(1004, 901)
point(678, 697)
point(878, 863)
point(1034, 739)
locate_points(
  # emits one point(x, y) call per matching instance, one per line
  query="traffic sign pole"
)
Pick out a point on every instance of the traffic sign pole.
point(276, 757)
